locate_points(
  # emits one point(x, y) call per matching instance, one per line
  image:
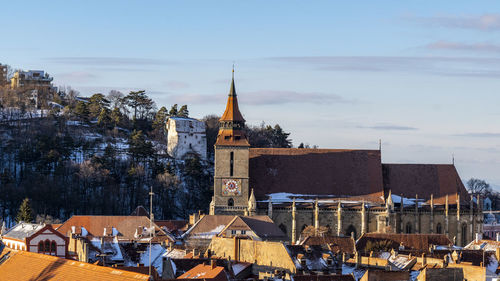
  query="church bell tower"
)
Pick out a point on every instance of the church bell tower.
point(231, 192)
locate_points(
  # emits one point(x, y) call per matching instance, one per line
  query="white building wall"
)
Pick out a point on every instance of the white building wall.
point(60, 242)
point(186, 135)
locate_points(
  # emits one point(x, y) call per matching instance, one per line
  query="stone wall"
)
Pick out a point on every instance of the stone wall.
point(265, 255)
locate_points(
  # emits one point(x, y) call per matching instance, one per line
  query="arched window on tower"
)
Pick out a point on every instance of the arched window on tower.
point(408, 228)
point(231, 163)
point(230, 202)
point(439, 228)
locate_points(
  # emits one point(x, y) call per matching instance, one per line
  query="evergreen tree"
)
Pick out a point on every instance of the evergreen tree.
point(139, 147)
point(97, 103)
point(183, 111)
point(104, 119)
point(160, 118)
point(116, 116)
point(173, 110)
point(82, 111)
point(25, 214)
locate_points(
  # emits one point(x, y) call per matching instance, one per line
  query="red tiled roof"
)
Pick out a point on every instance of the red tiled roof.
point(323, 278)
point(410, 241)
point(126, 225)
point(209, 223)
point(424, 180)
point(172, 225)
point(205, 272)
point(262, 226)
point(342, 244)
point(335, 172)
point(33, 266)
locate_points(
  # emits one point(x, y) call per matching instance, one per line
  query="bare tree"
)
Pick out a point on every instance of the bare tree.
point(478, 186)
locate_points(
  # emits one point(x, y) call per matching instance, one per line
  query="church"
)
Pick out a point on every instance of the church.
point(347, 191)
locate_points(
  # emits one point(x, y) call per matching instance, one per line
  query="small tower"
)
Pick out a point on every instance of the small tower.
point(231, 191)
point(252, 205)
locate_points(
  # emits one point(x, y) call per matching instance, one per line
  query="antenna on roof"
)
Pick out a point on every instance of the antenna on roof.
point(453, 158)
point(380, 144)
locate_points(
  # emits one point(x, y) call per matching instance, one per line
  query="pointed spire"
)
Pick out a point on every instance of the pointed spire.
point(232, 123)
point(232, 112)
point(389, 204)
point(252, 203)
point(432, 201)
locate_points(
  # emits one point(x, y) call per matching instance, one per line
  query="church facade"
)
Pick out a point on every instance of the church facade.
point(347, 191)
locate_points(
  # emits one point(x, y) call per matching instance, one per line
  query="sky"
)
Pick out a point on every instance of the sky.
point(421, 76)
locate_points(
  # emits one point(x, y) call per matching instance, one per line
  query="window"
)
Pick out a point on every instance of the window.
point(231, 164)
point(47, 246)
point(230, 202)
point(40, 247)
point(351, 231)
point(53, 247)
point(233, 232)
point(439, 228)
point(243, 232)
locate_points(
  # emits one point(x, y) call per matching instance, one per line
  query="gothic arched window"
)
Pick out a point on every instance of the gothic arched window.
point(230, 202)
point(439, 228)
point(351, 230)
point(53, 247)
point(46, 249)
point(408, 228)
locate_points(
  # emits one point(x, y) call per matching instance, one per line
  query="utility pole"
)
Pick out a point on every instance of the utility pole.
point(150, 226)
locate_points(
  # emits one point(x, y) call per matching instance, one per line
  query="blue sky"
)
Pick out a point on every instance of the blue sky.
point(423, 76)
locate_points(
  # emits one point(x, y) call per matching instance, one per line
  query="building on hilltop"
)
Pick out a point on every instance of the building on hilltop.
point(349, 191)
point(185, 136)
point(36, 79)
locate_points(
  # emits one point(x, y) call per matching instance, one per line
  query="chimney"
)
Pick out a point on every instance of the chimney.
point(213, 265)
point(73, 229)
point(105, 233)
point(498, 236)
point(478, 237)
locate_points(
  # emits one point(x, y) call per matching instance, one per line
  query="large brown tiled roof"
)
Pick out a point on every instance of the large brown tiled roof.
point(262, 226)
point(336, 243)
point(334, 172)
point(33, 266)
point(424, 180)
point(410, 241)
point(126, 225)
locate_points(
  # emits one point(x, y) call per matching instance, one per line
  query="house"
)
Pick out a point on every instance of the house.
point(21, 265)
point(200, 234)
point(37, 238)
point(338, 244)
point(260, 228)
point(210, 272)
point(124, 228)
point(115, 240)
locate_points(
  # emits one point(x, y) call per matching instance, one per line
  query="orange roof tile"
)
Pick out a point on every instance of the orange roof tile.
point(203, 271)
point(23, 265)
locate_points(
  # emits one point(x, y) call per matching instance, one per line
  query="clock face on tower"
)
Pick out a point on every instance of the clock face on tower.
point(231, 187)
